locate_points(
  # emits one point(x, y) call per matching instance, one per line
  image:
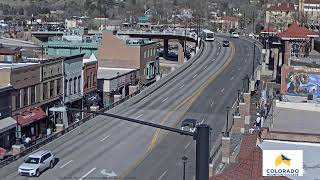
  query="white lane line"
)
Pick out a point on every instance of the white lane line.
point(139, 116)
point(205, 67)
point(213, 60)
point(222, 89)
point(218, 53)
point(162, 175)
point(239, 68)
point(105, 138)
point(203, 119)
point(66, 164)
point(187, 145)
point(219, 47)
point(181, 86)
point(164, 99)
point(195, 76)
point(232, 78)
point(212, 103)
point(88, 173)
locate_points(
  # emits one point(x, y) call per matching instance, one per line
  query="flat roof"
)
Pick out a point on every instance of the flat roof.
point(112, 73)
point(297, 117)
point(311, 160)
point(15, 65)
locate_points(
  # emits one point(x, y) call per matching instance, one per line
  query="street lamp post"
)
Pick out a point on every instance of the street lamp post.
point(201, 136)
point(227, 124)
point(184, 161)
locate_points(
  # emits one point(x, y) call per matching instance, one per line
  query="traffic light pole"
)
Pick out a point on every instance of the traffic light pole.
point(201, 136)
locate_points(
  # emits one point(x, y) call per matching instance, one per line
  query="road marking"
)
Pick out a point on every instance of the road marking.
point(218, 53)
point(195, 76)
point(203, 119)
point(212, 103)
point(205, 67)
point(105, 138)
point(187, 145)
point(162, 175)
point(181, 86)
point(66, 164)
point(164, 99)
point(213, 60)
point(88, 173)
point(239, 68)
point(188, 101)
point(232, 78)
point(139, 116)
point(222, 89)
point(219, 47)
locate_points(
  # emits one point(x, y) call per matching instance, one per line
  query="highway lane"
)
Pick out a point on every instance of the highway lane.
point(107, 145)
point(165, 161)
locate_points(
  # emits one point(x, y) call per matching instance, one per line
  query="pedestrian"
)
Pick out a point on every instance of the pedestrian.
point(258, 120)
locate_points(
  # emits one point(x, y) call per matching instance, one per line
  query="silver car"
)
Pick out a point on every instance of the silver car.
point(36, 163)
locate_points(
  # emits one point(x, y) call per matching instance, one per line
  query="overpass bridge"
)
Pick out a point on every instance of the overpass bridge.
point(166, 35)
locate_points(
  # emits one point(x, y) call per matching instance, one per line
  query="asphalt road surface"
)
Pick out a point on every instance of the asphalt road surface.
point(165, 161)
point(110, 147)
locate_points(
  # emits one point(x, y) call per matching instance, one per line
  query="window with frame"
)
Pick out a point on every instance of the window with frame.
point(45, 91)
point(25, 97)
point(79, 83)
point(59, 86)
point(75, 85)
point(70, 86)
point(33, 94)
point(17, 99)
point(52, 89)
point(66, 87)
point(91, 79)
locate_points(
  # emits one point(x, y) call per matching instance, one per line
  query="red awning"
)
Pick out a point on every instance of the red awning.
point(31, 116)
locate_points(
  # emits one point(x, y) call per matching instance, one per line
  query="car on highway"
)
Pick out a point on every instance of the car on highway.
point(36, 163)
point(189, 125)
point(234, 35)
point(225, 43)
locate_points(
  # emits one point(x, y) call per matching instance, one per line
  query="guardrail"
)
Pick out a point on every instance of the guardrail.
point(165, 32)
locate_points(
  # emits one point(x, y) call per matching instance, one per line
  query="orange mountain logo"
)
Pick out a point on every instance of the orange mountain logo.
point(282, 159)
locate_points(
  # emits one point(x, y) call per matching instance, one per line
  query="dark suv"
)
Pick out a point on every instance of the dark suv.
point(225, 43)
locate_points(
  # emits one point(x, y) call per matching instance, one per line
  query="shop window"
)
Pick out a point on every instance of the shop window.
point(33, 94)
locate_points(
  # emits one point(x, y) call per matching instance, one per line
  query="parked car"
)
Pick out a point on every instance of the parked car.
point(234, 35)
point(189, 125)
point(36, 163)
point(225, 43)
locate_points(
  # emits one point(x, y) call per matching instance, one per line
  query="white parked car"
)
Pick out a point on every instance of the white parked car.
point(234, 35)
point(189, 125)
point(36, 163)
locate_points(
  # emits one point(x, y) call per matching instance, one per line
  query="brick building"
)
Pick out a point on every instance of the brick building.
point(123, 52)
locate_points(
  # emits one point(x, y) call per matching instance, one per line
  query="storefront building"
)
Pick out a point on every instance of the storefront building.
point(7, 123)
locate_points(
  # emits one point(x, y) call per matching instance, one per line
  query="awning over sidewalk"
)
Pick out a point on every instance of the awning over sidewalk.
point(7, 123)
point(31, 116)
